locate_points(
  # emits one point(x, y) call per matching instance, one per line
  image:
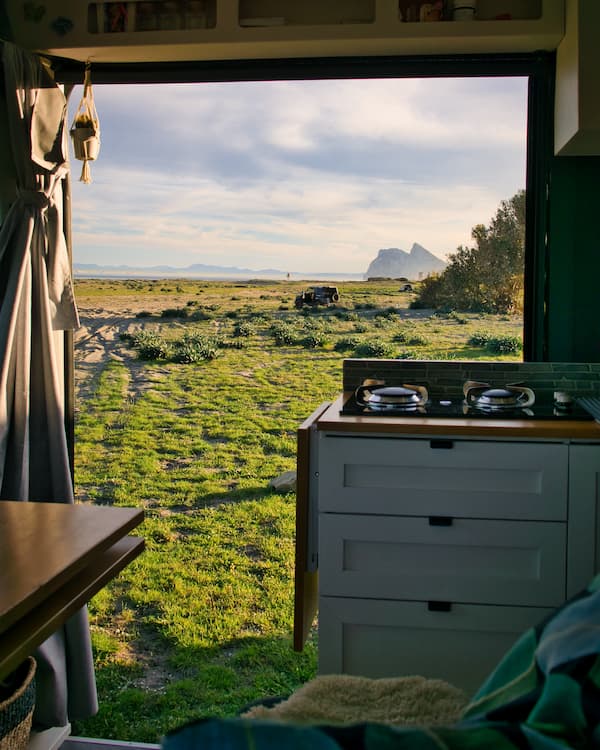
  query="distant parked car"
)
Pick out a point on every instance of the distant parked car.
point(318, 295)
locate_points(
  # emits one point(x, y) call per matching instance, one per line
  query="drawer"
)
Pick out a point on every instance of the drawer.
point(377, 638)
point(469, 561)
point(467, 478)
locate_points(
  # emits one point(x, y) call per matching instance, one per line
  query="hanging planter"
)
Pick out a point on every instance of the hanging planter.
point(85, 130)
point(17, 701)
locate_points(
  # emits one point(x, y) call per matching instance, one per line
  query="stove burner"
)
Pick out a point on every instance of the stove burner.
point(484, 396)
point(405, 397)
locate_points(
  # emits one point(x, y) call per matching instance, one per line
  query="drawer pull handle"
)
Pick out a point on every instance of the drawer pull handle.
point(439, 606)
point(440, 520)
point(445, 445)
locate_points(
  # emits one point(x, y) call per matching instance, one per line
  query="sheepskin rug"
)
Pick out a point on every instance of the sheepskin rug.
point(344, 699)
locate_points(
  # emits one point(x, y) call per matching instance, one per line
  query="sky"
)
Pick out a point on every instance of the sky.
point(312, 176)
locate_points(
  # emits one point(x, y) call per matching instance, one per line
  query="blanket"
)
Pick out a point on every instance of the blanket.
point(344, 699)
point(543, 695)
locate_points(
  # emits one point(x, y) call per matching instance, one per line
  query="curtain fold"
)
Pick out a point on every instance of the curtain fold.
point(36, 307)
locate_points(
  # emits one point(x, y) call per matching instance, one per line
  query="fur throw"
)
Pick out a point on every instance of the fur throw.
point(343, 699)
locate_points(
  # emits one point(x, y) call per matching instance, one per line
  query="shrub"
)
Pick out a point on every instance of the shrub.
point(479, 338)
point(143, 314)
point(496, 344)
point(361, 327)
point(195, 348)
point(283, 334)
point(244, 329)
point(175, 312)
point(505, 345)
point(373, 348)
point(346, 344)
point(389, 314)
point(150, 345)
point(314, 340)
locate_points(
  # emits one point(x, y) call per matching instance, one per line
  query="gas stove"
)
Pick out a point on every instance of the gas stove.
point(479, 401)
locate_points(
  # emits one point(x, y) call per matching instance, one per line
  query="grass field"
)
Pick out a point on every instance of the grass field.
point(201, 622)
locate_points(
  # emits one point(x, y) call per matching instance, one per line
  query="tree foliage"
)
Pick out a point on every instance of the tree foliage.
point(487, 277)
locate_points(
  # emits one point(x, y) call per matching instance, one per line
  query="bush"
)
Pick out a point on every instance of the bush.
point(283, 334)
point(195, 348)
point(361, 327)
point(496, 344)
point(373, 348)
point(175, 312)
point(143, 314)
point(480, 338)
point(150, 345)
point(505, 345)
point(314, 340)
point(346, 344)
point(244, 329)
point(410, 338)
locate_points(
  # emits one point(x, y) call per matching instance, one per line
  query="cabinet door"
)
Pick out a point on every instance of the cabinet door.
point(583, 541)
point(377, 638)
point(461, 478)
point(488, 562)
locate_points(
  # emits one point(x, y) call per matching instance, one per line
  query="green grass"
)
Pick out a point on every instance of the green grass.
point(201, 623)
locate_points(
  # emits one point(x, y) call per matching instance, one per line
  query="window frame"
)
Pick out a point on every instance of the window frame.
point(537, 67)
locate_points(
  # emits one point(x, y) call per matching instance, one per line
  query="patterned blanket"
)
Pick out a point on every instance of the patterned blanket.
point(543, 695)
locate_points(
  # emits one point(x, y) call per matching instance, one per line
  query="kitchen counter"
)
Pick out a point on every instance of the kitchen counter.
point(53, 558)
point(562, 429)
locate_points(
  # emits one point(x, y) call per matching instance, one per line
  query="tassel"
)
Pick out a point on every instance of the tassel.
point(86, 175)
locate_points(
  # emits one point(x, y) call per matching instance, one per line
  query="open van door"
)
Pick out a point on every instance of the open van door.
point(306, 594)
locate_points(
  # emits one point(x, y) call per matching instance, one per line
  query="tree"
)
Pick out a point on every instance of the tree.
point(489, 276)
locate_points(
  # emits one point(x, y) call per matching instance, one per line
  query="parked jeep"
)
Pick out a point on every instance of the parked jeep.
point(318, 295)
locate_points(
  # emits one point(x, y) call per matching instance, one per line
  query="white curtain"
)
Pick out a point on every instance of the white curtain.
point(37, 305)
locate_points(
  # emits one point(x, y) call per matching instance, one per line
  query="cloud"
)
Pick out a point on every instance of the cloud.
point(317, 175)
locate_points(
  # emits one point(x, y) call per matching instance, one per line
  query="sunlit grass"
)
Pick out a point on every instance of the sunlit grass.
point(201, 623)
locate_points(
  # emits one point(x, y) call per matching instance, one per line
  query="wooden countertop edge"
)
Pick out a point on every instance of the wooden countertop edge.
point(130, 518)
point(332, 420)
point(31, 630)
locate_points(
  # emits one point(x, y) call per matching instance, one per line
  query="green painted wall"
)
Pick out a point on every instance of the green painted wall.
point(573, 294)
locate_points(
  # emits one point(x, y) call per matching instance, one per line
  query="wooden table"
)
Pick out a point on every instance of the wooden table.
point(53, 558)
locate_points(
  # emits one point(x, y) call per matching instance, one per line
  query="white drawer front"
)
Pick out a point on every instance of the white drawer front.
point(393, 639)
point(470, 479)
point(488, 562)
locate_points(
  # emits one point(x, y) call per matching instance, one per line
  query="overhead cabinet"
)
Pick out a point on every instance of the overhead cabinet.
point(577, 115)
point(170, 30)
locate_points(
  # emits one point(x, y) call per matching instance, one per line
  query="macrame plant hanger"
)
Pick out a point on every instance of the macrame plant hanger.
point(85, 130)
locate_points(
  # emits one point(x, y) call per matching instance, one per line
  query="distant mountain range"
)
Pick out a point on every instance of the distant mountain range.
point(202, 271)
point(390, 262)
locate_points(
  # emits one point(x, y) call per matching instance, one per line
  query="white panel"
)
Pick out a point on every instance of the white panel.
point(472, 479)
point(393, 639)
point(583, 540)
point(490, 562)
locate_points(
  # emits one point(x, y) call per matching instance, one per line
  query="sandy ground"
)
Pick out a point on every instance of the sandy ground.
point(98, 339)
